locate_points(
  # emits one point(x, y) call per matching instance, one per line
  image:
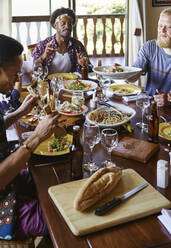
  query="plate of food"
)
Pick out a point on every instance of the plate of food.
point(79, 85)
point(116, 71)
point(67, 108)
point(66, 76)
point(124, 89)
point(165, 130)
point(111, 117)
point(54, 146)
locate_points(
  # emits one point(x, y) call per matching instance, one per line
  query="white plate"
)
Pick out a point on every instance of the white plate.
point(86, 82)
point(128, 72)
point(121, 107)
point(131, 89)
point(75, 113)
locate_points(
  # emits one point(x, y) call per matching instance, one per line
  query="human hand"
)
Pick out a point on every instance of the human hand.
point(48, 50)
point(82, 59)
point(160, 98)
point(27, 105)
point(169, 96)
point(134, 78)
point(46, 126)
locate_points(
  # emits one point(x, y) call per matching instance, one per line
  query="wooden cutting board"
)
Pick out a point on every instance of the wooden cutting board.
point(144, 203)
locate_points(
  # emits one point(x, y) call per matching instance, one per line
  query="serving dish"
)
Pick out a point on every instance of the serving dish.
point(109, 117)
point(79, 85)
point(124, 89)
point(42, 149)
point(127, 72)
point(66, 76)
point(165, 130)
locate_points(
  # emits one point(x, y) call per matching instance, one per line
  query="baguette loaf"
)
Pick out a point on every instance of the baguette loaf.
point(96, 187)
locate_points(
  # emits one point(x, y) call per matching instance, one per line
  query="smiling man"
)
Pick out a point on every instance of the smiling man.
point(155, 59)
point(61, 52)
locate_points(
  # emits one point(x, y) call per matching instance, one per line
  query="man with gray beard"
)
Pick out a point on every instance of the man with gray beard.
point(155, 59)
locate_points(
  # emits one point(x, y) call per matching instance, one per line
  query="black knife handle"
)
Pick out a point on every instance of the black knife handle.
point(107, 206)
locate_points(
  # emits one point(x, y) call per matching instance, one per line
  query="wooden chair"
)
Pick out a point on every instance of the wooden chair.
point(26, 243)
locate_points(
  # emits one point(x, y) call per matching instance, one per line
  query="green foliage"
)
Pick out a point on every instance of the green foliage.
point(92, 8)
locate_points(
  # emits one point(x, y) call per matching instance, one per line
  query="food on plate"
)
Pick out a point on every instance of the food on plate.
point(65, 76)
point(58, 144)
point(108, 116)
point(116, 68)
point(123, 89)
point(59, 132)
point(69, 108)
point(96, 187)
point(77, 85)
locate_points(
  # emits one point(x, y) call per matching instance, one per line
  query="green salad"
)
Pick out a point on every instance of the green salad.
point(57, 145)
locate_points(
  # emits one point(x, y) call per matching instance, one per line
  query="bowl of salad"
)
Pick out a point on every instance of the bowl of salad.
point(79, 85)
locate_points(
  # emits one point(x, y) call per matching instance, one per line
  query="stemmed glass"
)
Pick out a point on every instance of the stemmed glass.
point(109, 139)
point(143, 102)
point(92, 137)
point(45, 72)
point(104, 84)
point(37, 71)
point(56, 86)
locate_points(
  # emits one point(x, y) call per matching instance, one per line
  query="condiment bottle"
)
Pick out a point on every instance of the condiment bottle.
point(153, 124)
point(84, 69)
point(76, 155)
point(162, 174)
point(99, 62)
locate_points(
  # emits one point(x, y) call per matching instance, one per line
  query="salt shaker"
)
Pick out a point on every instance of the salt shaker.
point(162, 174)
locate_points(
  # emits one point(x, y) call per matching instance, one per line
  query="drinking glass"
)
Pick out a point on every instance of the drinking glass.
point(92, 137)
point(104, 83)
point(109, 139)
point(45, 72)
point(78, 99)
point(143, 102)
point(38, 71)
point(56, 86)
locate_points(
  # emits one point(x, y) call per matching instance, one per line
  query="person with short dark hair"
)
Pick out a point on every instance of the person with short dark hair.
point(61, 52)
point(155, 59)
point(13, 173)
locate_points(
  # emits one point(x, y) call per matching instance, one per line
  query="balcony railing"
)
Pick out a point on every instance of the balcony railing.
point(102, 35)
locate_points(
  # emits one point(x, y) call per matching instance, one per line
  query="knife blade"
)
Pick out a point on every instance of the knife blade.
point(116, 201)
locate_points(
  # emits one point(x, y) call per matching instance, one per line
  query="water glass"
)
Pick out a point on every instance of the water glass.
point(143, 102)
point(91, 134)
point(109, 139)
point(77, 99)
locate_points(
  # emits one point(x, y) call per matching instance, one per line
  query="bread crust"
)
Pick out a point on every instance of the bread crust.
point(96, 187)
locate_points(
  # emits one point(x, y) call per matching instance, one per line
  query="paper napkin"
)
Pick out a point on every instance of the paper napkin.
point(165, 219)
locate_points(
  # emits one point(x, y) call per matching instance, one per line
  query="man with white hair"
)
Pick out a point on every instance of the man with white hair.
point(155, 59)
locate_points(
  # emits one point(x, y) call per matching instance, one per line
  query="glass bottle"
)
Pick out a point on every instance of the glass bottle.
point(153, 124)
point(76, 155)
point(84, 69)
point(99, 62)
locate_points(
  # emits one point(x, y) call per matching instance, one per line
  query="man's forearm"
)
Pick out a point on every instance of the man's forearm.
point(12, 117)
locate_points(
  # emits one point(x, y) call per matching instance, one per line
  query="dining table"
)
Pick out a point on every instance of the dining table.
point(48, 171)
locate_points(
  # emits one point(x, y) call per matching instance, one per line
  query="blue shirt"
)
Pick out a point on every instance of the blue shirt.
point(154, 61)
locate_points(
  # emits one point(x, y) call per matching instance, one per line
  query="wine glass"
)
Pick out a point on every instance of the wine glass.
point(56, 86)
point(104, 84)
point(109, 139)
point(45, 72)
point(143, 102)
point(38, 71)
point(92, 137)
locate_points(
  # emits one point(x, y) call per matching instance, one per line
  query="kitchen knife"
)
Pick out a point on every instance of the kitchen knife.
point(109, 205)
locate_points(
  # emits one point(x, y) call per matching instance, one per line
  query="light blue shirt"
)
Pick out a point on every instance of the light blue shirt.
point(154, 61)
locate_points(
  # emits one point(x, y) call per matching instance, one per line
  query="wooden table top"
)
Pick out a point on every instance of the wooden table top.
point(145, 232)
